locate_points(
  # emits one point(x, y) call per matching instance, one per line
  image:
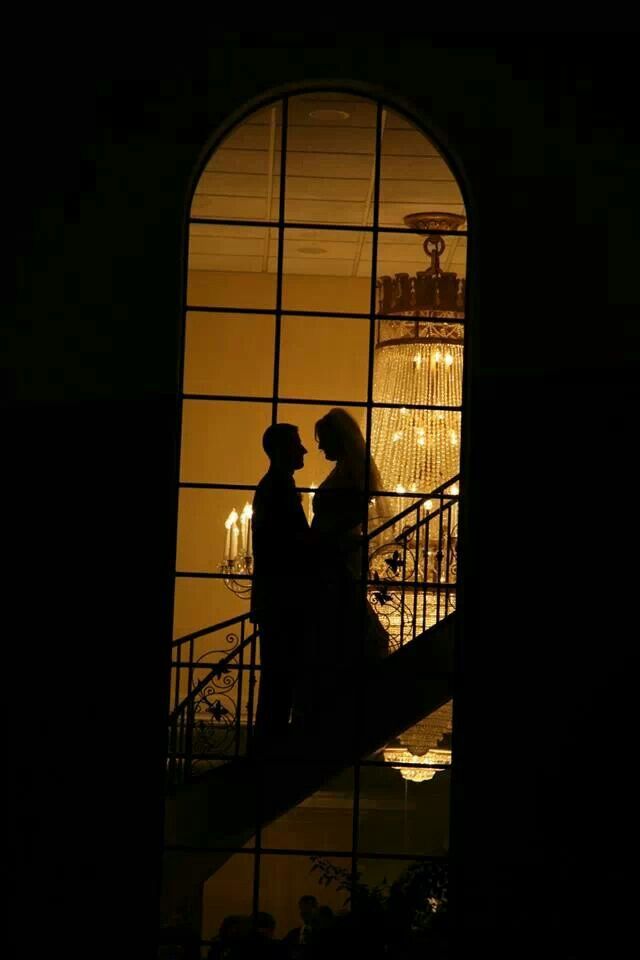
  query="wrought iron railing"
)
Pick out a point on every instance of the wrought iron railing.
point(213, 697)
point(411, 586)
point(413, 565)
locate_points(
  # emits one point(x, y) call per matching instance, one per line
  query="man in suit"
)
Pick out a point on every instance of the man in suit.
point(298, 939)
point(280, 578)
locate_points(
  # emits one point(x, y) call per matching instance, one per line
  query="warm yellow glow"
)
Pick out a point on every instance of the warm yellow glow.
point(310, 497)
point(231, 539)
point(245, 528)
point(418, 774)
point(415, 446)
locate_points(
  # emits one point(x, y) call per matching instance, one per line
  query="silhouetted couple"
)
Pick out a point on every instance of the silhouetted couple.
point(317, 628)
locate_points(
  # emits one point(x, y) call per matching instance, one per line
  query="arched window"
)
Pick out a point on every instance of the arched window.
point(326, 268)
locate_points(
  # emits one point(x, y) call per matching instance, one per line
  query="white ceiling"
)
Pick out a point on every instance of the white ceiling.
point(329, 179)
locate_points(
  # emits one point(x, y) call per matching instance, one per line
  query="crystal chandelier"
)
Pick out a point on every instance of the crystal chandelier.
point(418, 361)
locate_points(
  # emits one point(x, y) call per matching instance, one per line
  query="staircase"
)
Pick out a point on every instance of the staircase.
point(218, 797)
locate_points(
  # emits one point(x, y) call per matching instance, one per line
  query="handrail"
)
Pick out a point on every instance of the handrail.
point(414, 506)
point(212, 629)
point(407, 531)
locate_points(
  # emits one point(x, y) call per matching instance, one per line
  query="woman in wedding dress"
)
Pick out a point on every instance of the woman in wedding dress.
point(346, 634)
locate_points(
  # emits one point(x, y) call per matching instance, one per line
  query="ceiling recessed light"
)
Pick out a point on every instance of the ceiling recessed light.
point(327, 114)
point(312, 250)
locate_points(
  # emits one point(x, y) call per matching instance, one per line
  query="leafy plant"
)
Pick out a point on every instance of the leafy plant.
point(402, 915)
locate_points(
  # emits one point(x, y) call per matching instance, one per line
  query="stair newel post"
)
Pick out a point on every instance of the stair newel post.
point(175, 744)
point(172, 745)
point(190, 716)
point(240, 679)
point(416, 568)
point(424, 567)
point(447, 556)
point(403, 587)
point(439, 556)
point(252, 686)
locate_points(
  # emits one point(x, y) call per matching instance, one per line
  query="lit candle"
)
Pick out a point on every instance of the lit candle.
point(234, 541)
point(249, 509)
point(227, 543)
point(243, 532)
point(245, 529)
point(231, 525)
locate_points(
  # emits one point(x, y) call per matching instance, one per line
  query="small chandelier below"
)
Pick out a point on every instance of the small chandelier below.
point(431, 763)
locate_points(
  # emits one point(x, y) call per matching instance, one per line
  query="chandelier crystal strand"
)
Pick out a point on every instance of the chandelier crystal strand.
point(417, 449)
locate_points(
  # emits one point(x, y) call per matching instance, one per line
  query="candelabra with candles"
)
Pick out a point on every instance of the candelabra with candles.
point(238, 559)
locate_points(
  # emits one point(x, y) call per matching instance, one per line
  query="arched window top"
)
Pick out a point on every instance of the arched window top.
point(329, 168)
point(320, 221)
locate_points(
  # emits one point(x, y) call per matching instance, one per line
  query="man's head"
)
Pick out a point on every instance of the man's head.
point(307, 906)
point(282, 444)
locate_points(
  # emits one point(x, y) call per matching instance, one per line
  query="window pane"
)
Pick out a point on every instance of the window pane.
point(228, 892)
point(232, 266)
point(222, 441)
point(200, 603)
point(413, 175)
point(229, 354)
point(415, 450)
point(403, 816)
point(323, 821)
point(400, 253)
point(330, 159)
point(326, 270)
point(287, 877)
point(324, 358)
point(204, 541)
point(242, 178)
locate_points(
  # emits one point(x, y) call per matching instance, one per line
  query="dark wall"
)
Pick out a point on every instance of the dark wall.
point(103, 147)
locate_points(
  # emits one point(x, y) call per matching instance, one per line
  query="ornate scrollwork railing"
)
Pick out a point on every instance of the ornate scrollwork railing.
point(413, 562)
point(213, 696)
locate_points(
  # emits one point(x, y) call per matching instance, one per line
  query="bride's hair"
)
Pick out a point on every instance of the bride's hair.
point(352, 453)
